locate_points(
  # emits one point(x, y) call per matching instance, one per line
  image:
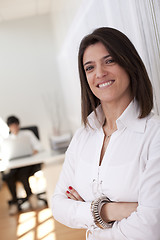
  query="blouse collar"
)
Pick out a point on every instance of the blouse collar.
point(128, 119)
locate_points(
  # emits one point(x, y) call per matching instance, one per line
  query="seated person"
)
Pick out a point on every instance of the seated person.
point(20, 174)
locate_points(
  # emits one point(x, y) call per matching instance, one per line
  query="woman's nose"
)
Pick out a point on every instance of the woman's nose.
point(100, 72)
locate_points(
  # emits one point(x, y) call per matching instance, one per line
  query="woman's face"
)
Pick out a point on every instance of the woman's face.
point(107, 80)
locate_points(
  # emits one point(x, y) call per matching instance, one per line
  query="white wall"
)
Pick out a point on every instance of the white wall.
point(28, 75)
point(63, 16)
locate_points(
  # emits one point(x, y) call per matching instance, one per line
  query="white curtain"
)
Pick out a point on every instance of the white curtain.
point(148, 12)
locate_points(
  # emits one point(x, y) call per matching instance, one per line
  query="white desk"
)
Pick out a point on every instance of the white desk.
point(45, 157)
point(52, 165)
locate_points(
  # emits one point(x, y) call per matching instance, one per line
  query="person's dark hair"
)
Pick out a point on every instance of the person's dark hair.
point(12, 119)
point(124, 53)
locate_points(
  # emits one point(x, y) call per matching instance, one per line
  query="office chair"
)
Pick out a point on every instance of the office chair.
point(35, 168)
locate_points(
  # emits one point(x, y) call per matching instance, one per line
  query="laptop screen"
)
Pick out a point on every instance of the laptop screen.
point(16, 148)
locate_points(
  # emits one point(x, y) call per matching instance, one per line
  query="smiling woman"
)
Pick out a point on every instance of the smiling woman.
point(110, 178)
point(123, 54)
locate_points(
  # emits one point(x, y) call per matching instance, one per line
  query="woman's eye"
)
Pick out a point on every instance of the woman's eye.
point(109, 61)
point(89, 68)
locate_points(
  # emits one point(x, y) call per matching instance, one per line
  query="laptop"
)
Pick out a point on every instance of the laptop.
point(16, 148)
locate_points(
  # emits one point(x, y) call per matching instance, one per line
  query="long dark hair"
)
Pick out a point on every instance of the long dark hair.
point(124, 53)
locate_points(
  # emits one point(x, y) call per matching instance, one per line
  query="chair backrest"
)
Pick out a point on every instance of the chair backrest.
point(34, 129)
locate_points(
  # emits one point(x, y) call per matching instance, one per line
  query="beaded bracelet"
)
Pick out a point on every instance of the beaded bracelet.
point(96, 207)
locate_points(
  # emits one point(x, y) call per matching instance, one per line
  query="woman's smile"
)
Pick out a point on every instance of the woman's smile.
point(105, 84)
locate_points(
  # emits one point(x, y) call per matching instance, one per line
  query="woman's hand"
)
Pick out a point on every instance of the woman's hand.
point(116, 211)
point(73, 194)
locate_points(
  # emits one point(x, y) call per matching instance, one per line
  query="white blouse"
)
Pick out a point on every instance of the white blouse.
point(130, 172)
